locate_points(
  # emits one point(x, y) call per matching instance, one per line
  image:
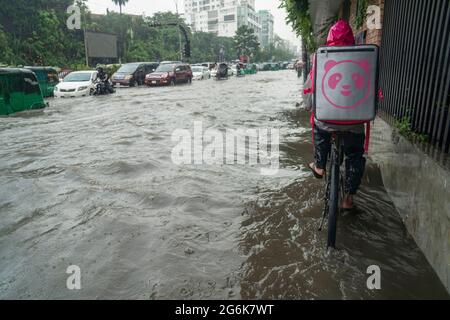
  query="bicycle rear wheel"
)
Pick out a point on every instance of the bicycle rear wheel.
point(333, 204)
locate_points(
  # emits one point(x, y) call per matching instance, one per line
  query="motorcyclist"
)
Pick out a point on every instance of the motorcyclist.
point(101, 74)
point(104, 78)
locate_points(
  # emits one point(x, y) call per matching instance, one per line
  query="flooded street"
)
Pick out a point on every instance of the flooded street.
point(91, 182)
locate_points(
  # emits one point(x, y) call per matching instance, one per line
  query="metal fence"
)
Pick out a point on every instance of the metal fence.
point(415, 68)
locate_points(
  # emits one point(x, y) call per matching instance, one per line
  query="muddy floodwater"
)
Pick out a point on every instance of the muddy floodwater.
point(91, 182)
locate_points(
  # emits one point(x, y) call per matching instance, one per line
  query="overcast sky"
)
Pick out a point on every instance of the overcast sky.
point(151, 6)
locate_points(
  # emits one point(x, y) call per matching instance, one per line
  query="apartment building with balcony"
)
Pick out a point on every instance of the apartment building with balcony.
point(222, 17)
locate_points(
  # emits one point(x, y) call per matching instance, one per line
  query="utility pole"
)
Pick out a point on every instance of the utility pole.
point(86, 52)
point(179, 32)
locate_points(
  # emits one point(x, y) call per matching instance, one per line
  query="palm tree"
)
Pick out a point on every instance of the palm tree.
point(120, 3)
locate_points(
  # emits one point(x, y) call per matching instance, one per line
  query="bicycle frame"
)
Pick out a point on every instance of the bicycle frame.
point(334, 189)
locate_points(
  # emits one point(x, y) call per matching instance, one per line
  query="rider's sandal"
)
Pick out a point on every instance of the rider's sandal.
point(313, 170)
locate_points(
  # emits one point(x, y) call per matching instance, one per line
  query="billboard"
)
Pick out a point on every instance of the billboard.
point(101, 45)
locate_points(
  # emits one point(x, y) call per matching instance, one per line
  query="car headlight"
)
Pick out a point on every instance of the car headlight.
point(82, 88)
point(128, 77)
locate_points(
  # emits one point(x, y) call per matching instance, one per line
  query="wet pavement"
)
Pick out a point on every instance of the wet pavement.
point(90, 182)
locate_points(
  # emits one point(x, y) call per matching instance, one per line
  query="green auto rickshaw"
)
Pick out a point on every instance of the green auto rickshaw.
point(251, 69)
point(47, 78)
point(274, 66)
point(19, 91)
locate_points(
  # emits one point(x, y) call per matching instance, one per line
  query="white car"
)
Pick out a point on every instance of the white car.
point(76, 84)
point(200, 73)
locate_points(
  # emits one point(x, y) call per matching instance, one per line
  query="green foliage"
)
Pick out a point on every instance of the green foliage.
point(404, 127)
point(5, 49)
point(277, 51)
point(361, 13)
point(45, 40)
point(206, 47)
point(300, 20)
point(110, 69)
point(245, 41)
point(36, 32)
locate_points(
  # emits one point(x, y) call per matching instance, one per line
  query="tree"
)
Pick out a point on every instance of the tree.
point(300, 19)
point(206, 47)
point(120, 3)
point(245, 40)
point(5, 49)
point(45, 39)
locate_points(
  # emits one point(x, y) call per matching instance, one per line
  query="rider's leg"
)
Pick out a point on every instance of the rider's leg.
point(322, 147)
point(354, 165)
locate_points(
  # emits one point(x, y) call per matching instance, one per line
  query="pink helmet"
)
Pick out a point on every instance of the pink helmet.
point(341, 34)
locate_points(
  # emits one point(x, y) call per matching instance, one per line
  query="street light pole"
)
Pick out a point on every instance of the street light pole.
point(86, 52)
point(179, 32)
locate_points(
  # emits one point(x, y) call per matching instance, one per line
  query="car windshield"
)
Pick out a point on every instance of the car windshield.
point(77, 77)
point(197, 69)
point(128, 68)
point(165, 68)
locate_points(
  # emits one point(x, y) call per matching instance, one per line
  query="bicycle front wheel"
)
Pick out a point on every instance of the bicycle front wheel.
point(333, 199)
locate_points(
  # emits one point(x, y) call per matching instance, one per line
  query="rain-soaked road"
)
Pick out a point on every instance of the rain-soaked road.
point(90, 182)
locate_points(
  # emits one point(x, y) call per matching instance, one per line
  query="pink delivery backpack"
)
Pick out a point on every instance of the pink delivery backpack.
point(345, 85)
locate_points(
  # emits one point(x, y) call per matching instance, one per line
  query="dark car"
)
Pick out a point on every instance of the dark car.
point(170, 74)
point(133, 74)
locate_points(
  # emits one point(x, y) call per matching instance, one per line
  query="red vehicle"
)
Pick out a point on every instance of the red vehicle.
point(170, 74)
point(244, 59)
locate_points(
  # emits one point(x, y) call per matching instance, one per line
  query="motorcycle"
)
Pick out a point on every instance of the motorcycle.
point(103, 87)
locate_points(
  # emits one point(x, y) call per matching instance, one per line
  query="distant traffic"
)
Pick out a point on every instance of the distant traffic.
point(25, 88)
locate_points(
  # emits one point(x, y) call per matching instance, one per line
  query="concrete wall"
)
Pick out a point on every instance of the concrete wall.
point(420, 189)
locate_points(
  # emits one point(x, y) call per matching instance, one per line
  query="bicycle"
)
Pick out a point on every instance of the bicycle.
point(334, 188)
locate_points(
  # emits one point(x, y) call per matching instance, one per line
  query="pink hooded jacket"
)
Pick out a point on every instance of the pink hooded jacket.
point(341, 34)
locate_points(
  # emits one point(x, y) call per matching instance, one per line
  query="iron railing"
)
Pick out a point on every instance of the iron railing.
point(415, 68)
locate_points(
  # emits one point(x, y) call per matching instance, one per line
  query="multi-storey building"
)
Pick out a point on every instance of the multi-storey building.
point(222, 17)
point(266, 21)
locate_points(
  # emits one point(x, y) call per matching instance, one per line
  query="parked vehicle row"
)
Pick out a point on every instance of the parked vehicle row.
point(24, 88)
point(275, 66)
